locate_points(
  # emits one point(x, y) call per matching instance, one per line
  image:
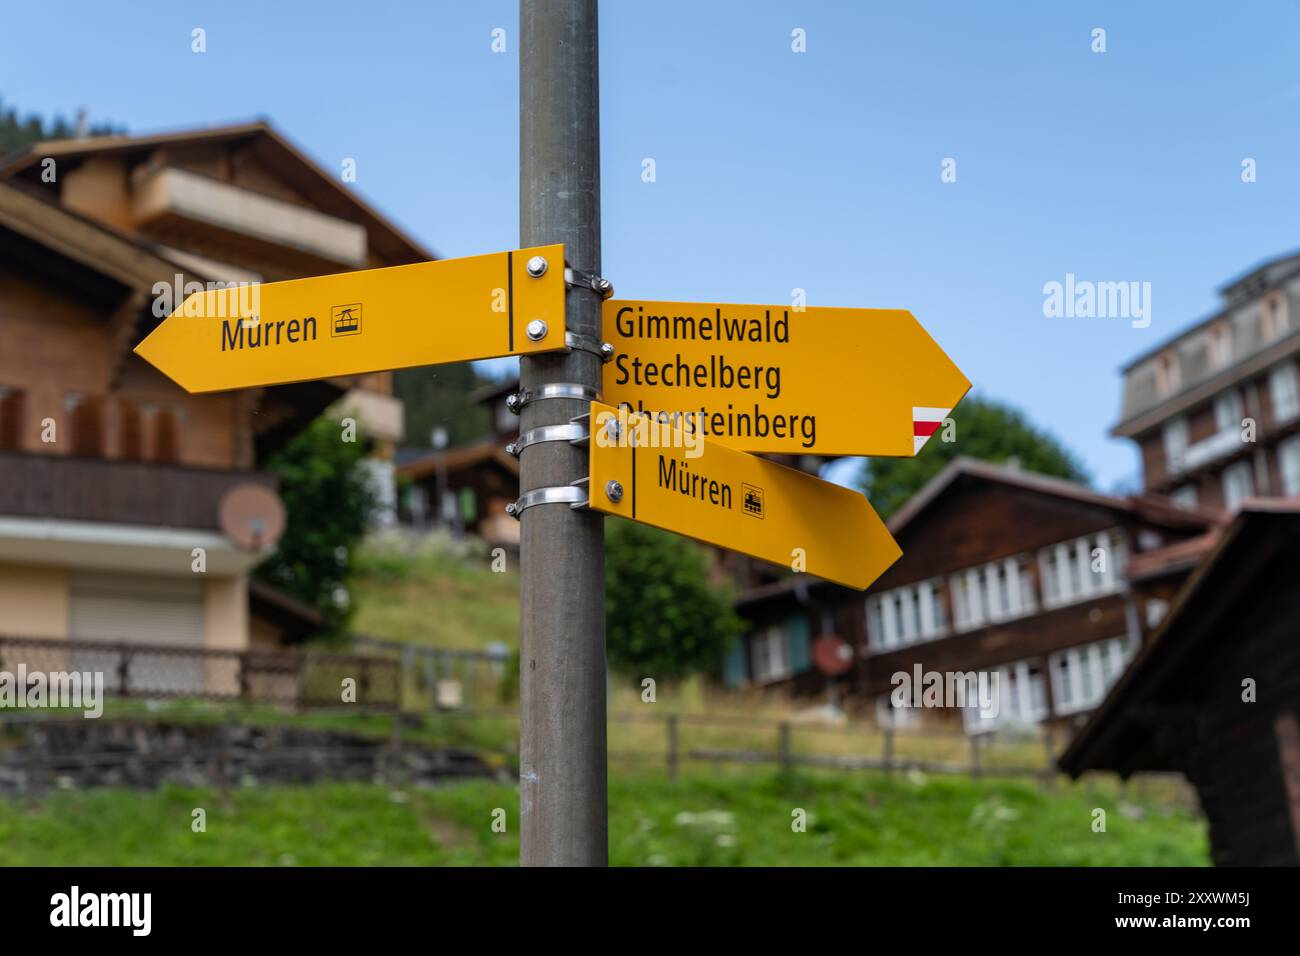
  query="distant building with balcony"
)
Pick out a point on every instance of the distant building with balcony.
point(1215, 411)
point(111, 476)
point(1043, 582)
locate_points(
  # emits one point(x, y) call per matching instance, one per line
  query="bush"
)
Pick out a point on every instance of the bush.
point(328, 497)
point(663, 619)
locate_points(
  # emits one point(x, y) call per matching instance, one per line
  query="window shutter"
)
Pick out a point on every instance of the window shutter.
point(734, 669)
point(11, 420)
point(167, 437)
point(130, 441)
point(800, 641)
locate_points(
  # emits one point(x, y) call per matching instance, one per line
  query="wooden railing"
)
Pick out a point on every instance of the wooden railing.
point(88, 489)
point(160, 671)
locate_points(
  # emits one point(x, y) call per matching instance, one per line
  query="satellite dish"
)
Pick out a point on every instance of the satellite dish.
point(832, 655)
point(252, 516)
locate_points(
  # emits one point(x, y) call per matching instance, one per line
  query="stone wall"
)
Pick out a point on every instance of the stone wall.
point(39, 755)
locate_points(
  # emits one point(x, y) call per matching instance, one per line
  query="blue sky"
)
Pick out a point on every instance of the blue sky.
point(778, 170)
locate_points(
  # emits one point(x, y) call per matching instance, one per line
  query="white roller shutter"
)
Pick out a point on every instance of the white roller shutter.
point(136, 609)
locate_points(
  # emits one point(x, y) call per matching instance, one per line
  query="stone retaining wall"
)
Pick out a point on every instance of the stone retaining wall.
point(55, 753)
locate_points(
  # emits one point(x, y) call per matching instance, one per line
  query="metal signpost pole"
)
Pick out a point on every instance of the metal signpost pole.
point(562, 788)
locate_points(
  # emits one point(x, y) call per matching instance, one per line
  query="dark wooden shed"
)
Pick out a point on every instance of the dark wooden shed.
point(1215, 693)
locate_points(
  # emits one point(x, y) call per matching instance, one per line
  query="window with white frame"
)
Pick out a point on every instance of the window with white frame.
point(1175, 440)
point(1228, 411)
point(1081, 568)
point(993, 592)
point(1220, 345)
point(1185, 496)
point(1168, 374)
point(1156, 609)
point(1273, 319)
point(1020, 699)
point(770, 654)
point(1288, 462)
point(1238, 483)
point(1284, 393)
point(906, 615)
point(1082, 675)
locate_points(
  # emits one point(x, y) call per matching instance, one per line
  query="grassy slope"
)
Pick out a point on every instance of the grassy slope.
point(726, 817)
point(705, 819)
point(431, 593)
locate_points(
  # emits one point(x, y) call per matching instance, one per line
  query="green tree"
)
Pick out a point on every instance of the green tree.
point(439, 395)
point(17, 133)
point(979, 428)
point(328, 497)
point(663, 619)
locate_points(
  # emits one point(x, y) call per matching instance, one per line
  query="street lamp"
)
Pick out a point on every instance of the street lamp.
point(438, 439)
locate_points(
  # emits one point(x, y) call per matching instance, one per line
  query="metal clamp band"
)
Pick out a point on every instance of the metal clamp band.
point(570, 432)
point(589, 343)
point(575, 496)
point(526, 396)
point(582, 279)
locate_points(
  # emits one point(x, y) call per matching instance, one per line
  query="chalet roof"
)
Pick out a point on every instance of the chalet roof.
point(270, 147)
point(1257, 279)
point(1173, 667)
point(129, 269)
point(1175, 558)
point(487, 450)
point(1264, 273)
point(1155, 508)
point(298, 621)
point(94, 245)
point(800, 586)
point(963, 466)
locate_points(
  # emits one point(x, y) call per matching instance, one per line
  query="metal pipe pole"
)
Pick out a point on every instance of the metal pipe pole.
point(562, 755)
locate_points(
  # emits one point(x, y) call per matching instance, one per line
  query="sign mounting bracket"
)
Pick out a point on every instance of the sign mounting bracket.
point(582, 279)
point(574, 495)
point(589, 343)
point(516, 401)
point(575, 433)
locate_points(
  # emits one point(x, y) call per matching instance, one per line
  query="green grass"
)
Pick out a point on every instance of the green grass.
point(729, 819)
point(428, 592)
point(433, 591)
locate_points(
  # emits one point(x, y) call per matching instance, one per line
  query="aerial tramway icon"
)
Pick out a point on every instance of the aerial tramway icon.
point(345, 319)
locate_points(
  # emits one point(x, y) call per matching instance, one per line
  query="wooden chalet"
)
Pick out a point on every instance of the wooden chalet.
point(1002, 571)
point(110, 474)
point(465, 488)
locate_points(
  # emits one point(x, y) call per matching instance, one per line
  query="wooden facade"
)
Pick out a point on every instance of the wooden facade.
point(467, 487)
point(1215, 693)
point(1215, 411)
point(110, 474)
point(969, 594)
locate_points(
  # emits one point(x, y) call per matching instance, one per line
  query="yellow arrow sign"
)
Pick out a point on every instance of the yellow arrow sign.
point(770, 378)
point(451, 310)
point(671, 478)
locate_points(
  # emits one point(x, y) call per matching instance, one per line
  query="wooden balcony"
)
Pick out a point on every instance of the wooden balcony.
point(133, 493)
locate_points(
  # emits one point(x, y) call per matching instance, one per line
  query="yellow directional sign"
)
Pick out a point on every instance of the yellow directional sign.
point(669, 477)
point(772, 378)
point(450, 310)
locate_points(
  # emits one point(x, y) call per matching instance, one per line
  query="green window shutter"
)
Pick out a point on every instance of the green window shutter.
point(800, 643)
point(735, 668)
